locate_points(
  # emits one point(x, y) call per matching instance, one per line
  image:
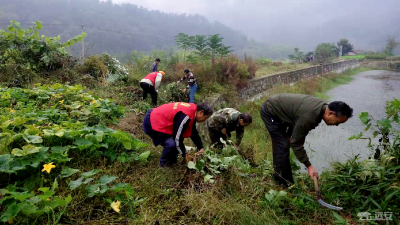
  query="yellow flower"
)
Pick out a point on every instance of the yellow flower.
point(100, 99)
point(115, 206)
point(94, 101)
point(12, 110)
point(48, 199)
point(291, 187)
point(61, 102)
point(48, 167)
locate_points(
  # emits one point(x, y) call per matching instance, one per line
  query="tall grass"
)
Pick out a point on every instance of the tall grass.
point(353, 57)
point(270, 69)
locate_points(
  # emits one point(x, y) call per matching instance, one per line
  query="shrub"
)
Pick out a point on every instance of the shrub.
point(24, 53)
point(378, 55)
point(94, 66)
point(264, 61)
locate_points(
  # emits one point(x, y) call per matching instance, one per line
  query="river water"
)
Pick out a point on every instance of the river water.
point(368, 92)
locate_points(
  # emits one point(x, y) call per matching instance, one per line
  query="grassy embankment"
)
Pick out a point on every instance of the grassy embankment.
point(232, 199)
point(281, 68)
point(172, 198)
point(353, 57)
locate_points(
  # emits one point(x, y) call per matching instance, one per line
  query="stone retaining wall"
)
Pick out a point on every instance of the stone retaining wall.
point(262, 84)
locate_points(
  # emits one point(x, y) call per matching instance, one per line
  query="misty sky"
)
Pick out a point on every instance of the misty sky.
point(295, 23)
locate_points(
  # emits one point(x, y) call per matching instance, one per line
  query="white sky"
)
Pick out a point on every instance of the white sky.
point(285, 20)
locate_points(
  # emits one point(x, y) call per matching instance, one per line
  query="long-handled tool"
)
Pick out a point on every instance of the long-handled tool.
point(329, 206)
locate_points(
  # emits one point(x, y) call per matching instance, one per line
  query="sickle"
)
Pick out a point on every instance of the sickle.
point(329, 206)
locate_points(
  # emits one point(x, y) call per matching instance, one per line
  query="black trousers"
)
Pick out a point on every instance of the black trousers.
point(149, 89)
point(280, 134)
point(170, 152)
point(215, 137)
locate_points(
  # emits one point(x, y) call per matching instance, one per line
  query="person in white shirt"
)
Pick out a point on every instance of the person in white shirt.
point(150, 85)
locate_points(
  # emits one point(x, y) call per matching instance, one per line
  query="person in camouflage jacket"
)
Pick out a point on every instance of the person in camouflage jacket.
point(223, 122)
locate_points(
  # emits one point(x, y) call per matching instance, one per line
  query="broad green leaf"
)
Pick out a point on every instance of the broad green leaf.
point(124, 138)
point(105, 179)
point(31, 210)
point(39, 25)
point(60, 133)
point(83, 143)
point(68, 199)
point(47, 193)
point(118, 187)
point(75, 184)
point(34, 200)
point(5, 163)
point(364, 118)
point(5, 142)
point(98, 137)
point(33, 139)
point(12, 211)
point(191, 165)
point(26, 150)
point(59, 149)
point(111, 154)
point(31, 130)
point(19, 121)
point(143, 157)
point(21, 196)
point(282, 194)
point(139, 144)
point(91, 173)
point(67, 172)
point(60, 201)
point(384, 124)
point(93, 189)
point(208, 178)
point(87, 180)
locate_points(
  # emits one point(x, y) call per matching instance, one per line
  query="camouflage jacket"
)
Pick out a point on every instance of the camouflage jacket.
point(227, 118)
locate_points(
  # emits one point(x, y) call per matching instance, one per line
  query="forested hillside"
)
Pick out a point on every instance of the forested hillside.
point(113, 28)
point(120, 29)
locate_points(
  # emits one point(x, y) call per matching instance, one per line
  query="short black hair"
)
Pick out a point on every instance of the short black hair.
point(208, 110)
point(341, 108)
point(187, 71)
point(247, 118)
point(158, 60)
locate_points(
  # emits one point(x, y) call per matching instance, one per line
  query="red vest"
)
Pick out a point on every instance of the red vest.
point(162, 117)
point(152, 77)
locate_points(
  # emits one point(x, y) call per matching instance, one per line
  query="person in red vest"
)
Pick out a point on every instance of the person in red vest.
point(170, 123)
point(150, 85)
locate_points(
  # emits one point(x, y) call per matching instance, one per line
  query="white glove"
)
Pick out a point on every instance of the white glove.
point(157, 91)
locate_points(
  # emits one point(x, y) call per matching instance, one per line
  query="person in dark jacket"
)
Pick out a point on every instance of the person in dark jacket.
point(223, 122)
point(289, 118)
point(192, 85)
point(154, 67)
point(169, 124)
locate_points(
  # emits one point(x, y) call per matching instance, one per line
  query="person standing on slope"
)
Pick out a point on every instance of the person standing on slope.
point(289, 118)
point(169, 124)
point(150, 85)
point(154, 67)
point(192, 85)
